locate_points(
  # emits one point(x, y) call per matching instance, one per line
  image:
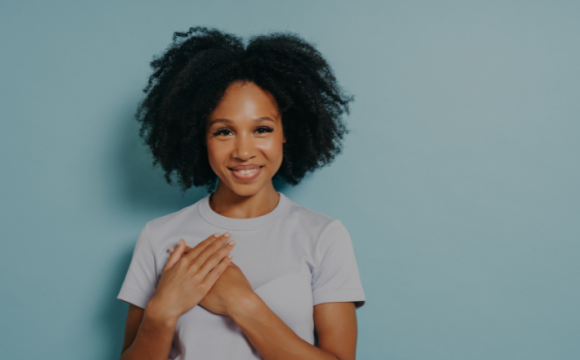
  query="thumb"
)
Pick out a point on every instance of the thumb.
point(176, 255)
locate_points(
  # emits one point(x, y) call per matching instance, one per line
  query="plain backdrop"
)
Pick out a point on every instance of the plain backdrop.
point(459, 180)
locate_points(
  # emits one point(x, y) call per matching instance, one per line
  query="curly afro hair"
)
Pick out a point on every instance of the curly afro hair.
point(190, 78)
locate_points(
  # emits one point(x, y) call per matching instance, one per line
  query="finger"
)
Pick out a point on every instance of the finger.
point(197, 249)
point(200, 258)
point(212, 277)
point(213, 243)
point(187, 249)
point(175, 255)
point(216, 257)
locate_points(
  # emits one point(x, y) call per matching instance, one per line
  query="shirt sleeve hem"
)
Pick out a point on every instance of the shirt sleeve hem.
point(339, 296)
point(133, 297)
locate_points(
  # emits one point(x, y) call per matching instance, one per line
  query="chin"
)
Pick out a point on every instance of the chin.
point(245, 189)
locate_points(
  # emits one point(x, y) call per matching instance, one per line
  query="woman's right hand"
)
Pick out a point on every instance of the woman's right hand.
point(189, 275)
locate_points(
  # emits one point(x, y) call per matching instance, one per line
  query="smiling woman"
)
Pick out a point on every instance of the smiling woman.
point(221, 113)
point(245, 139)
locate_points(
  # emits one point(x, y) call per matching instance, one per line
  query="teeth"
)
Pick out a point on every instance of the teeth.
point(245, 172)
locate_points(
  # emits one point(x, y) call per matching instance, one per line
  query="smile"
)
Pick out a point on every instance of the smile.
point(246, 175)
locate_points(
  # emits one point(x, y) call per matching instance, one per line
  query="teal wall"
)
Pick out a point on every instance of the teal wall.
point(459, 182)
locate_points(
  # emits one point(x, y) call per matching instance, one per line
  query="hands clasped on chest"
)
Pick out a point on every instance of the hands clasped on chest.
point(203, 275)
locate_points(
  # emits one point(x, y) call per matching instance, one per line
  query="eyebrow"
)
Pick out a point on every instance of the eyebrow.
point(227, 121)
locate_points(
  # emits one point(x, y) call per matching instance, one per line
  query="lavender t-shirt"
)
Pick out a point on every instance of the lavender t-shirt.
point(293, 257)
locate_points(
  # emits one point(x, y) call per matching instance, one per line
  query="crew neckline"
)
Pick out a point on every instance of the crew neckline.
point(224, 222)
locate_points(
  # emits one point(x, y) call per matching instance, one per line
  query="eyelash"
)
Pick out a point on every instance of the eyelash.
point(267, 129)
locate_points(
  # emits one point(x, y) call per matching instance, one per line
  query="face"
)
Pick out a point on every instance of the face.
point(244, 139)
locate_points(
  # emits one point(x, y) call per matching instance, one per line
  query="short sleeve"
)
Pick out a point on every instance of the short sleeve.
point(141, 279)
point(335, 277)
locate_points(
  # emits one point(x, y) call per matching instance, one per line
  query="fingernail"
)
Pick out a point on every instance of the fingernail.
point(227, 234)
point(232, 242)
point(171, 249)
point(230, 255)
point(217, 234)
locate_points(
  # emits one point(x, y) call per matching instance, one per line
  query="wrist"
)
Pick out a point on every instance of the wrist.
point(245, 306)
point(158, 314)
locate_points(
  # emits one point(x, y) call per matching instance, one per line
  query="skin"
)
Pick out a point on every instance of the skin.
point(245, 128)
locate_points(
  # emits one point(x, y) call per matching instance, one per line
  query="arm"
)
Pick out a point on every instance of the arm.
point(335, 320)
point(184, 282)
point(146, 337)
point(335, 324)
point(335, 282)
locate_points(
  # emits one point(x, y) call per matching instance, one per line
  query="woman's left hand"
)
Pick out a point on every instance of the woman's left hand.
point(226, 293)
point(231, 287)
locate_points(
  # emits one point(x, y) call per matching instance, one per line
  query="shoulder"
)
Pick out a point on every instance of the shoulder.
point(315, 222)
point(173, 222)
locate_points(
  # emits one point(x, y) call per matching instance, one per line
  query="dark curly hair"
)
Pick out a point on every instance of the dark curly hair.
point(190, 78)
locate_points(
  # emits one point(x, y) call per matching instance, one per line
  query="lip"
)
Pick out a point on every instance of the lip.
point(248, 177)
point(245, 167)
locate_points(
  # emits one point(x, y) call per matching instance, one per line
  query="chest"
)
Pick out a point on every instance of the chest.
point(279, 269)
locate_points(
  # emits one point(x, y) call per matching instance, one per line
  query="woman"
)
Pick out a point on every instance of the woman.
point(216, 109)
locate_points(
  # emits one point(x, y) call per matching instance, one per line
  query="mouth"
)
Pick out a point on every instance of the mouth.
point(246, 174)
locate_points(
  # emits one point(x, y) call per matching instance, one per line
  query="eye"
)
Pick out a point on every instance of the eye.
point(220, 132)
point(265, 130)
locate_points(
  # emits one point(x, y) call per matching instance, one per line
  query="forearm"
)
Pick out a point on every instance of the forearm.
point(153, 339)
point(273, 339)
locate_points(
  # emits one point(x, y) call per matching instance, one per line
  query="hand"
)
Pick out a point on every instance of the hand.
point(187, 278)
point(228, 290)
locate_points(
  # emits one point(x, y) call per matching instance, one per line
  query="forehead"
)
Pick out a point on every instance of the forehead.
point(246, 101)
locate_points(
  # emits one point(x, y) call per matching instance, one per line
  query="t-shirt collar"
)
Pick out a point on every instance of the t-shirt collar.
point(223, 222)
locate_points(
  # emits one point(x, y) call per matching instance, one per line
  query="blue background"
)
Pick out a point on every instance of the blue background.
point(459, 181)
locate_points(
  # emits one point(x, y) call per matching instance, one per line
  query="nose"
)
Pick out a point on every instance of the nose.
point(244, 147)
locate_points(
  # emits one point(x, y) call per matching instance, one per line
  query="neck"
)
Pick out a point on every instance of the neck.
point(230, 204)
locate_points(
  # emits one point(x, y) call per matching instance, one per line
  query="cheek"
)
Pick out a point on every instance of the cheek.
point(216, 153)
point(273, 150)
